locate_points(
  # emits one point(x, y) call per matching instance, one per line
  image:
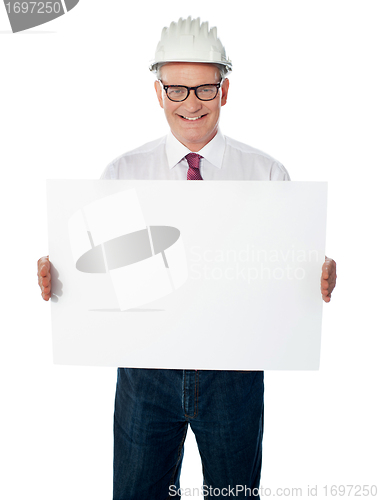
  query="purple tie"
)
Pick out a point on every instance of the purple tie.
point(193, 173)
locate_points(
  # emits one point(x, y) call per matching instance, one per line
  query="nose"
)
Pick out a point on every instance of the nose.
point(192, 103)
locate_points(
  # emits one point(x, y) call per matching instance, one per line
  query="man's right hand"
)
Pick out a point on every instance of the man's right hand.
point(44, 277)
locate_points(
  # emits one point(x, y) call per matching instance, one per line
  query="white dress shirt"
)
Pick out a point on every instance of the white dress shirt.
point(223, 159)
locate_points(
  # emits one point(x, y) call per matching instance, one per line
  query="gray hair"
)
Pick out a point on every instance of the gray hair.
point(222, 70)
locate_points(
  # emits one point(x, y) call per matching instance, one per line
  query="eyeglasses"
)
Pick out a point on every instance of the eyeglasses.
point(178, 93)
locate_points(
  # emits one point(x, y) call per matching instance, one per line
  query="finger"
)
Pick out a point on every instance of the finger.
point(44, 277)
point(43, 265)
point(324, 284)
point(43, 281)
point(46, 291)
point(44, 269)
point(325, 271)
point(46, 281)
point(45, 285)
point(42, 260)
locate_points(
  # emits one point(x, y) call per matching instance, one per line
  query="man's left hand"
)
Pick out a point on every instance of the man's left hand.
point(328, 278)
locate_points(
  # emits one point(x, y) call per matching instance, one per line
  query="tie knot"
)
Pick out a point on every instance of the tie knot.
point(193, 160)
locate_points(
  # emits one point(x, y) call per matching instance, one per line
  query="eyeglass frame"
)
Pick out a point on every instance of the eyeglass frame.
point(218, 85)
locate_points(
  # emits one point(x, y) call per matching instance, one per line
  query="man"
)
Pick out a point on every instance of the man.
point(154, 407)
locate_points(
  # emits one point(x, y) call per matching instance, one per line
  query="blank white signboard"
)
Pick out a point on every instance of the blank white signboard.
point(221, 275)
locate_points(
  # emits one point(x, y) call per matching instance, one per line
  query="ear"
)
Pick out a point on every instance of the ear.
point(225, 89)
point(158, 90)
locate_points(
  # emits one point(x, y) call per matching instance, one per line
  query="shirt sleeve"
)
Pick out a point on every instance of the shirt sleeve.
point(109, 173)
point(279, 173)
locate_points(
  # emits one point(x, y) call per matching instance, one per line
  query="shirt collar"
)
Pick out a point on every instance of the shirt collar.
point(212, 152)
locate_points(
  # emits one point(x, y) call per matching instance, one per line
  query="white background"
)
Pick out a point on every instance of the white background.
point(76, 93)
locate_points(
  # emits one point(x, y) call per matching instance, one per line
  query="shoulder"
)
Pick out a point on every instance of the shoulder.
point(245, 148)
point(148, 148)
point(257, 159)
point(133, 157)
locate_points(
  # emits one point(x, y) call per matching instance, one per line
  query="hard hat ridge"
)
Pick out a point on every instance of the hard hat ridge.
point(188, 40)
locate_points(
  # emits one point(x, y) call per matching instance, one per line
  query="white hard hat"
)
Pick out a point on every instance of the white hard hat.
point(189, 41)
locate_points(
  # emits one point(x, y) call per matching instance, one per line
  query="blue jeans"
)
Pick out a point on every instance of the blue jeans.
point(152, 411)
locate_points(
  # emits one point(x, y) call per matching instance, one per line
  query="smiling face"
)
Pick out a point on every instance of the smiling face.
point(193, 122)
